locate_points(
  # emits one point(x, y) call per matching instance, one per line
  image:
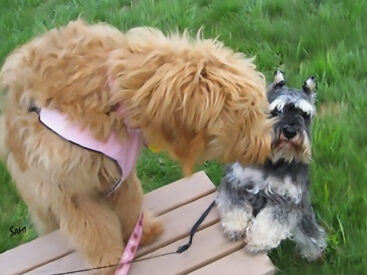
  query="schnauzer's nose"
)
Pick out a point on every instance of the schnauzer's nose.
point(289, 132)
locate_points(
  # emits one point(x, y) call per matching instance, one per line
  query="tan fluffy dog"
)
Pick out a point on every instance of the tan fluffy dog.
point(195, 98)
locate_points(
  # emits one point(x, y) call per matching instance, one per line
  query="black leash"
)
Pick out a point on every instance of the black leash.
point(195, 228)
point(179, 250)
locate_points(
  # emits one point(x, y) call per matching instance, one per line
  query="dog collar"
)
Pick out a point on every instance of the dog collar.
point(124, 153)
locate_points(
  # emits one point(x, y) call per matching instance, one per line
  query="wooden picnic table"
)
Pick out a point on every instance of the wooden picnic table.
point(179, 205)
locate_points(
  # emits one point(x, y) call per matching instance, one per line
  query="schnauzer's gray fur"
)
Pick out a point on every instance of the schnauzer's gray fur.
point(269, 203)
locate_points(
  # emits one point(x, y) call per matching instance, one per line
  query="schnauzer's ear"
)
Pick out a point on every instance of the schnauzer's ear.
point(310, 87)
point(279, 80)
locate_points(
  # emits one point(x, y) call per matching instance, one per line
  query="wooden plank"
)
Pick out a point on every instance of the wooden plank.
point(209, 245)
point(178, 223)
point(39, 251)
point(34, 253)
point(178, 193)
point(71, 262)
point(239, 263)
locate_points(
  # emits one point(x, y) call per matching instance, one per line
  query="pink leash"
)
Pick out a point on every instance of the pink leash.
point(124, 153)
point(131, 248)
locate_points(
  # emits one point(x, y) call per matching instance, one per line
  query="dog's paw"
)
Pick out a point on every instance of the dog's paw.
point(152, 228)
point(233, 235)
point(234, 223)
point(256, 243)
point(265, 233)
point(255, 249)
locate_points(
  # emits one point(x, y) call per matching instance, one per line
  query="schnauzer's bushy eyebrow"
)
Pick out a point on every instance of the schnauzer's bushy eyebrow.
point(280, 102)
point(305, 106)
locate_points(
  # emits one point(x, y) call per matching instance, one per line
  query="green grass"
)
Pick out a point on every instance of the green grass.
point(325, 38)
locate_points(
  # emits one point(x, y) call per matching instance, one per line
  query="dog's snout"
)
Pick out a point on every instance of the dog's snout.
point(289, 132)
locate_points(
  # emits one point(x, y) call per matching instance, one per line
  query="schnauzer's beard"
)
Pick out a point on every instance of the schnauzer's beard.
point(297, 149)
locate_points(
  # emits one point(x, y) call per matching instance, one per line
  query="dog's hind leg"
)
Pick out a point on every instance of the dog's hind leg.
point(309, 236)
point(127, 203)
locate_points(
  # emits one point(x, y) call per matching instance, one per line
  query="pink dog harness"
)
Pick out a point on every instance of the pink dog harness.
point(124, 153)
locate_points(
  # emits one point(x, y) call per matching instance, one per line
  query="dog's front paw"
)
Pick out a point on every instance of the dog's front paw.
point(256, 248)
point(234, 223)
point(257, 241)
point(233, 235)
point(152, 228)
point(263, 235)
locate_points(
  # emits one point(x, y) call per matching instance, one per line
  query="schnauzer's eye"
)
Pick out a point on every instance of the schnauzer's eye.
point(275, 112)
point(305, 115)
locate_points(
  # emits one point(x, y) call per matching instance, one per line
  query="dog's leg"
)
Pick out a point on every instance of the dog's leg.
point(309, 236)
point(93, 227)
point(269, 228)
point(127, 203)
point(235, 214)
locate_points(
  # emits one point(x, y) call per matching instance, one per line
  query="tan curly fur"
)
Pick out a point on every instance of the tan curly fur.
point(194, 98)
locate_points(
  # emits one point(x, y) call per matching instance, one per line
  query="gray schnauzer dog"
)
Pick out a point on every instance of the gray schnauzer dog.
point(269, 203)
